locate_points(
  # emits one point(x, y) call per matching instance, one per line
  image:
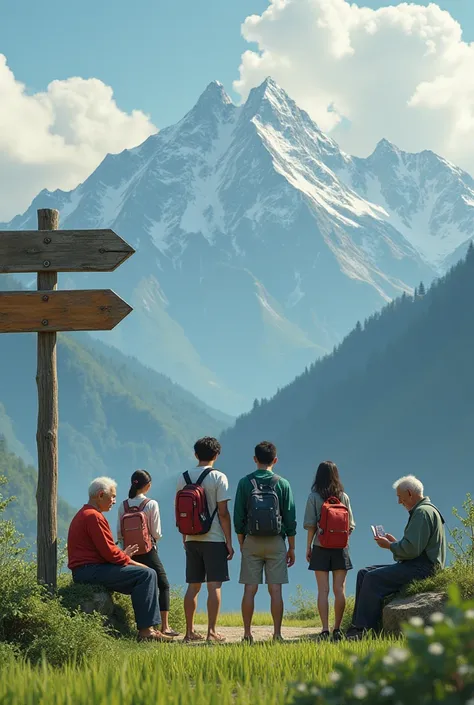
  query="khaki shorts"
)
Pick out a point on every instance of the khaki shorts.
point(259, 552)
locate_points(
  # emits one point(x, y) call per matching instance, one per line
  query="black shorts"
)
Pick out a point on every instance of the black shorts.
point(329, 559)
point(206, 562)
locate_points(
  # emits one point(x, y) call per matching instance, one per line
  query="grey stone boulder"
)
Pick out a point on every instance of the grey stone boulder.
point(402, 609)
point(99, 602)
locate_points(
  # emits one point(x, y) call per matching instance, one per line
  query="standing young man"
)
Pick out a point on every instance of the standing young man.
point(207, 554)
point(264, 516)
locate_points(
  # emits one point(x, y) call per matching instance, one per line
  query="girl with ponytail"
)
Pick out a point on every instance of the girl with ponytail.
point(140, 485)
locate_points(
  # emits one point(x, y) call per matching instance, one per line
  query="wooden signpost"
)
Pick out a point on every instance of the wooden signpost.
point(48, 251)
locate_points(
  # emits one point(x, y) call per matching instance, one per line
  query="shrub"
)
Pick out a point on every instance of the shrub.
point(7, 654)
point(34, 623)
point(436, 666)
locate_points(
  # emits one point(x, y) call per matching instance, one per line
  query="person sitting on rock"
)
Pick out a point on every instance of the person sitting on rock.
point(94, 558)
point(418, 554)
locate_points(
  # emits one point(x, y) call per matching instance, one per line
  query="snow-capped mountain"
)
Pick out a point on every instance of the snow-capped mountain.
point(259, 242)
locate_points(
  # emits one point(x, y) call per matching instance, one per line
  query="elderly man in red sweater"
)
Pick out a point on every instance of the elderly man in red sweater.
point(94, 558)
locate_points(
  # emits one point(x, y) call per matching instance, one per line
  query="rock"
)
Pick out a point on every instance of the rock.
point(99, 602)
point(403, 609)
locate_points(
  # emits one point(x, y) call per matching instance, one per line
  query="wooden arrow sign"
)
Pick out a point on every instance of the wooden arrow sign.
point(62, 251)
point(50, 311)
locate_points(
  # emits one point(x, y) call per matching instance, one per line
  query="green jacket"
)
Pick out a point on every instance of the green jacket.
point(285, 496)
point(424, 533)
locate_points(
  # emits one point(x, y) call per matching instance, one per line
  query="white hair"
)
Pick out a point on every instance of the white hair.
point(411, 483)
point(101, 484)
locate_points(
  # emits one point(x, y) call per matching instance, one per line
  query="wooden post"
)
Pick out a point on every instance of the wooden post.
point(47, 433)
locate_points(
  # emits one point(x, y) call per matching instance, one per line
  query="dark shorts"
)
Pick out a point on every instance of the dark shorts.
point(330, 559)
point(206, 562)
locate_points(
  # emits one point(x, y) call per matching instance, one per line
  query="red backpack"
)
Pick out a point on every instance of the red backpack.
point(192, 513)
point(134, 527)
point(334, 524)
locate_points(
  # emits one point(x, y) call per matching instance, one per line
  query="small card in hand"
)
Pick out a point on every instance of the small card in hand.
point(378, 530)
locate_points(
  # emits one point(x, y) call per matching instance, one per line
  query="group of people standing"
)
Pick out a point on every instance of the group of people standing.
point(264, 520)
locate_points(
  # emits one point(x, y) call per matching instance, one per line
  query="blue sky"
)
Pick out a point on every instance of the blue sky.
point(394, 79)
point(158, 55)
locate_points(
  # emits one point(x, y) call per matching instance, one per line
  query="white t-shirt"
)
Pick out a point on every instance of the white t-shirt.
point(151, 512)
point(216, 487)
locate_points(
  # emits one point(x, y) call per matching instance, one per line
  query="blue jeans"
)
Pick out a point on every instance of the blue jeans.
point(139, 583)
point(375, 583)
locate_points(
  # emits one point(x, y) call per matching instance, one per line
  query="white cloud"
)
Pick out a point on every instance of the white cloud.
point(57, 138)
point(401, 72)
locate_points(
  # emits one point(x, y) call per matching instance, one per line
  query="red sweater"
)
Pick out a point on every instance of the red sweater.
point(90, 540)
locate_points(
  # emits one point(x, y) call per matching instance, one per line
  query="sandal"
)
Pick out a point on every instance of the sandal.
point(195, 636)
point(156, 637)
point(171, 632)
point(217, 638)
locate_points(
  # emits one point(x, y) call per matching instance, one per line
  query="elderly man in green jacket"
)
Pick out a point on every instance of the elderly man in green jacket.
point(418, 554)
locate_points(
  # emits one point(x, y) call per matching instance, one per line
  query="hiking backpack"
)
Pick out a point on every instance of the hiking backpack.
point(134, 527)
point(263, 508)
point(192, 512)
point(333, 525)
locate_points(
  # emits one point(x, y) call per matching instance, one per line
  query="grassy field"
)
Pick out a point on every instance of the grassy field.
point(178, 675)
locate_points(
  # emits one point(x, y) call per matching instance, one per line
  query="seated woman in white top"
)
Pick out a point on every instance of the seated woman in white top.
point(140, 486)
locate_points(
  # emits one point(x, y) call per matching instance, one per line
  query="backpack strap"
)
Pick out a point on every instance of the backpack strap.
point(143, 505)
point(187, 478)
point(203, 476)
point(126, 507)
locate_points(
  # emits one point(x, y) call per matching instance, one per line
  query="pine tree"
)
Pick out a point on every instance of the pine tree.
point(421, 290)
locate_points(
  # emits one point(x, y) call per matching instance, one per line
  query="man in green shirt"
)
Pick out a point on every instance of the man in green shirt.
point(418, 554)
point(264, 516)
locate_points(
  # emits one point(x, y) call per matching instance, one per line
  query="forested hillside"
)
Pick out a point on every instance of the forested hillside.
point(396, 397)
point(115, 414)
point(21, 484)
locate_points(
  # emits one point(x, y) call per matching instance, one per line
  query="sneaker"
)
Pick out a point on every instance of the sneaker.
point(337, 635)
point(355, 634)
point(323, 636)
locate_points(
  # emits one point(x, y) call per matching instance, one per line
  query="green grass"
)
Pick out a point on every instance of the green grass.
point(178, 675)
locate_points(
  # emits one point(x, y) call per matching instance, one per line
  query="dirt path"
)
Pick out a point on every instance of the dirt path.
point(234, 634)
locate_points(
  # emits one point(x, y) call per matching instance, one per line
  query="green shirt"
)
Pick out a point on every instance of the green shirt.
point(285, 497)
point(424, 533)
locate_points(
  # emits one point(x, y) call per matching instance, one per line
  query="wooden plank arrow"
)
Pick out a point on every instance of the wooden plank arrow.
point(49, 311)
point(62, 251)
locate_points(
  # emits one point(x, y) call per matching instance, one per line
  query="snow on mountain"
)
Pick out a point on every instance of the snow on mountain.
point(426, 198)
point(259, 243)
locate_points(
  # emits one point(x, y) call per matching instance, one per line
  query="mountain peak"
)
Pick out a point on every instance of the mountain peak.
point(214, 94)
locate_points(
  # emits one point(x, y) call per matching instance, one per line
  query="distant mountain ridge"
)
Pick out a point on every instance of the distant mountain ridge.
point(259, 241)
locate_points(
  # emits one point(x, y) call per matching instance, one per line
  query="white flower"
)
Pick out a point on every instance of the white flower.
point(464, 669)
point(437, 617)
point(353, 658)
point(429, 631)
point(314, 690)
point(417, 622)
point(399, 654)
point(469, 614)
point(388, 660)
point(387, 691)
point(301, 687)
point(382, 683)
point(334, 677)
point(360, 691)
point(436, 648)
point(469, 702)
